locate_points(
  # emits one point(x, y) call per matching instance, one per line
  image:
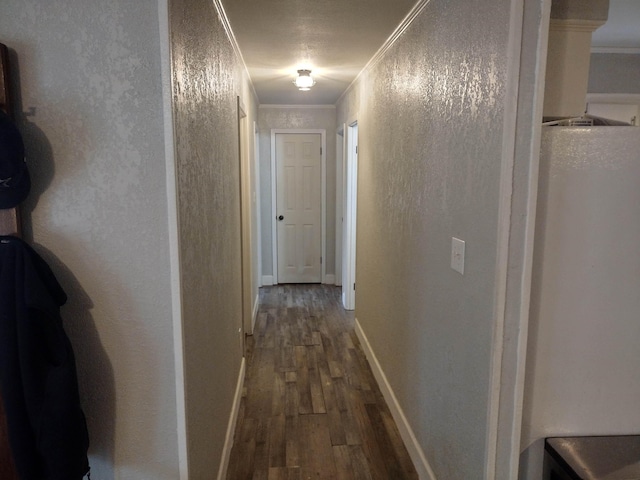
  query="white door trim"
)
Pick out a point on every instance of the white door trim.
point(323, 189)
point(256, 151)
point(350, 216)
point(245, 221)
point(340, 162)
point(523, 105)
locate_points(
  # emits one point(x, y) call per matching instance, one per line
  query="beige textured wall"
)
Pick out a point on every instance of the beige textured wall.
point(88, 79)
point(614, 73)
point(583, 348)
point(207, 77)
point(430, 117)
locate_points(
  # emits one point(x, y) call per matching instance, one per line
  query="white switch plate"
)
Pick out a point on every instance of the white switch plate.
point(457, 255)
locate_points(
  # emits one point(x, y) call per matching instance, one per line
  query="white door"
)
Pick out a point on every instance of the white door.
point(299, 207)
point(340, 154)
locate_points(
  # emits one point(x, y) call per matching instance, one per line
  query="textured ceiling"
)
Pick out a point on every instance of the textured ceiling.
point(336, 38)
point(333, 38)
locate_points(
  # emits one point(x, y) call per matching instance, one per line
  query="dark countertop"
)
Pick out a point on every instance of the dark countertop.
point(598, 458)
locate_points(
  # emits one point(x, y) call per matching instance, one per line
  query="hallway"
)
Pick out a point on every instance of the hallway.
point(311, 407)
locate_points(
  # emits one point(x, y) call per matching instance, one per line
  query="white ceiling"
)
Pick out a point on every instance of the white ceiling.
point(622, 29)
point(336, 38)
point(333, 38)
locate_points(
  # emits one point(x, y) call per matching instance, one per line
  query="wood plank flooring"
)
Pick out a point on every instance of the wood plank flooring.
point(311, 408)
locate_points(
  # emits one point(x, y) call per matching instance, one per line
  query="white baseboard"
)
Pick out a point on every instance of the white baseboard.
point(231, 427)
point(425, 472)
point(329, 279)
point(267, 280)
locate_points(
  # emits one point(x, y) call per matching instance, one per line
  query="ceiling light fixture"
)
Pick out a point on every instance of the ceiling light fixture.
point(304, 81)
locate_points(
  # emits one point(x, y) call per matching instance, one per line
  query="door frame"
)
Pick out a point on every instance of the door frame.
point(246, 233)
point(350, 208)
point(258, 202)
point(518, 194)
point(341, 150)
point(323, 192)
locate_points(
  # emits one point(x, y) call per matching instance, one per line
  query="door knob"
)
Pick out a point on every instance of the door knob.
point(281, 217)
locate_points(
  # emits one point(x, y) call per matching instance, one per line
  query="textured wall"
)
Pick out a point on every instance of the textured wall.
point(430, 118)
point(206, 81)
point(296, 118)
point(582, 375)
point(614, 73)
point(88, 80)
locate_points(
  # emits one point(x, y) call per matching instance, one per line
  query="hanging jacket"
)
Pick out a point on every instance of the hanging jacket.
point(38, 382)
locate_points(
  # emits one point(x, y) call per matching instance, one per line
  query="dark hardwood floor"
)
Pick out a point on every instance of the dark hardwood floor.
point(311, 408)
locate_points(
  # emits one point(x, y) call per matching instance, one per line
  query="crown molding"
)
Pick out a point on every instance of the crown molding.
point(574, 25)
point(234, 43)
point(397, 33)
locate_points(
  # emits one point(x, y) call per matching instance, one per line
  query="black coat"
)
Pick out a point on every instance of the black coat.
point(38, 381)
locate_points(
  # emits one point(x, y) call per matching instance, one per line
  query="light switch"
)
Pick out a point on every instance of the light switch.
point(457, 255)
